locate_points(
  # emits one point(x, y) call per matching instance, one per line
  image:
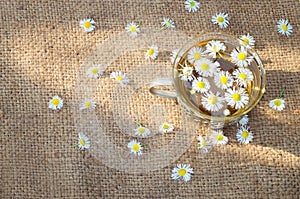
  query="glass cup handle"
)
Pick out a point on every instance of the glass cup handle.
point(160, 92)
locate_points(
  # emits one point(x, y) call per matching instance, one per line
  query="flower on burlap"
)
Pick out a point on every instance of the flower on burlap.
point(182, 172)
point(83, 141)
point(221, 19)
point(135, 147)
point(247, 41)
point(55, 103)
point(167, 23)
point(284, 27)
point(218, 138)
point(192, 5)
point(166, 127)
point(244, 135)
point(203, 144)
point(133, 29)
point(94, 71)
point(120, 78)
point(87, 104)
point(142, 131)
point(152, 52)
point(88, 25)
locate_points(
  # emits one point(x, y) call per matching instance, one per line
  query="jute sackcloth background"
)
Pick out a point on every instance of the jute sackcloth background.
point(42, 51)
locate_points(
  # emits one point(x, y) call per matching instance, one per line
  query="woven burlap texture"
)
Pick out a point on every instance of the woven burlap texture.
point(42, 52)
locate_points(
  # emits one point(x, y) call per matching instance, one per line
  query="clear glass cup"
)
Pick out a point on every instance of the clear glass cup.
point(188, 101)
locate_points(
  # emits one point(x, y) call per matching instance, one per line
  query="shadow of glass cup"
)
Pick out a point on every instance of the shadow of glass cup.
point(191, 103)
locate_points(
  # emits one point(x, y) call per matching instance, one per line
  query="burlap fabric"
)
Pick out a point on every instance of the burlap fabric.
point(42, 52)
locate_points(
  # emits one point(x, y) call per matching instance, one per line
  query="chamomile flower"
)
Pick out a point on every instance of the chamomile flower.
point(244, 120)
point(133, 29)
point(83, 141)
point(243, 76)
point(203, 144)
point(87, 25)
point(244, 135)
point(214, 47)
point(94, 71)
point(240, 57)
point(55, 103)
point(223, 80)
point(218, 138)
point(167, 23)
point(284, 27)
point(120, 77)
point(212, 102)
point(135, 147)
point(182, 172)
point(247, 41)
point(236, 98)
point(195, 54)
point(206, 67)
point(141, 131)
point(88, 104)
point(166, 127)
point(277, 104)
point(192, 5)
point(186, 73)
point(152, 52)
point(200, 85)
point(221, 19)
point(176, 56)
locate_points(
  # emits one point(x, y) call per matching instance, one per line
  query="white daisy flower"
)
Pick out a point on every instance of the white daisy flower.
point(152, 52)
point(214, 47)
point(206, 67)
point(135, 147)
point(201, 85)
point(176, 56)
point(191, 5)
point(83, 141)
point(243, 76)
point(203, 144)
point(212, 102)
point(247, 40)
point(120, 77)
point(223, 80)
point(217, 137)
point(195, 54)
point(88, 104)
point(87, 25)
point(221, 19)
point(240, 57)
point(182, 172)
point(244, 120)
point(167, 23)
point(186, 73)
point(166, 127)
point(142, 131)
point(277, 104)
point(133, 29)
point(236, 98)
point(226, 112)
point(244, 135)
point(284, 28)
point(55, 103)
point(94, 71)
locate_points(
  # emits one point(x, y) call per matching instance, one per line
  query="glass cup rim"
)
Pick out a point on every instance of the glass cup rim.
point(216, 36)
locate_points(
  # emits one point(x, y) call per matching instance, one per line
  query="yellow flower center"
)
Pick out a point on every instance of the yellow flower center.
point(284, 27)
point(165, 126)
point(151, 52)
point(241, 56)
point(168, 23)
point(245, 134)
point(215, 48)
point(87, 24)
point(55, 102)
point(197, 56)
point(95, 71)
point(136, 147)
point(132, 29)
point(203, 143)
point(223, 79)
point(181, 172)
point(236, 97)
point(219, 137)
point(119, 78)
point(220, 19)
point(201, 85)
point(204, 66)
point(277, 102)
point(212, 100)
point(88, 104)
point(245, 41)
point(242, 76)
point(141, 130)
point(82, 142)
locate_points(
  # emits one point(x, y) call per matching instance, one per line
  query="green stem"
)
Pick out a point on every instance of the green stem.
point(281, 93)
point(139, 124)
point(75, 145)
